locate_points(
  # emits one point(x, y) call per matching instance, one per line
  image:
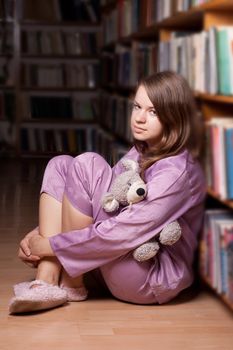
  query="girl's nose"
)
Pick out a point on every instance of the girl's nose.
point(141, 116)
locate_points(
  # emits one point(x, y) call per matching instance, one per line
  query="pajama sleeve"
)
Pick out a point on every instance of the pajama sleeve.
point(169, 197)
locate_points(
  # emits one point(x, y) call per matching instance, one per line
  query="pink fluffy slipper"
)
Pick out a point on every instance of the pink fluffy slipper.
point(21, 288)
point(44, 296)
point(75, 294)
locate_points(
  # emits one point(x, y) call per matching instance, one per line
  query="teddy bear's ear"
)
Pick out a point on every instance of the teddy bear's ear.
point(130, 164)
point(109, 203)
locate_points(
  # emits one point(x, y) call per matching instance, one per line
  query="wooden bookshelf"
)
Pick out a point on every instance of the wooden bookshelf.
point(222, 5)
point(7, 81)
point(59, 89)
point(228, 203)
point(58, 24)
point(160, 31)
point(49, 45)
point(222, 296)
point(216, 98)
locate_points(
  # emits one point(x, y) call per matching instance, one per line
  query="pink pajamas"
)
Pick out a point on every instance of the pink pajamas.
point(176, 190)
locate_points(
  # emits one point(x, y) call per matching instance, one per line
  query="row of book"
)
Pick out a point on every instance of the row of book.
point(156, 11)
point(116, 116)
point(216, 251)
point(60, 42)
point(105, 144)
point(123, 20)
point(127, 64)
point(62, 10)
point(7, 10)
point(67, 106)
point(58, 75)
point(7, 105)
point(7, 125)
point(53, 10)
point(71, 139)
point(205, 58)
point(7, 76)
point(219, 156)
point(130, 16)
point(7, 134)
point(55, 138)
point(6, 41)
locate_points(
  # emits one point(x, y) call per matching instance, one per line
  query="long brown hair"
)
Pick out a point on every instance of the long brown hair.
point(175, 106)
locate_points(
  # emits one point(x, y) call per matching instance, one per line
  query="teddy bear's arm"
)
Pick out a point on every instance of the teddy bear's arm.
point(170, 234)
point(109, 203)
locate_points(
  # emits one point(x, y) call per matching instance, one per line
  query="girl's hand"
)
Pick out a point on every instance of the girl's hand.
point(40, 246)
point(24, 252)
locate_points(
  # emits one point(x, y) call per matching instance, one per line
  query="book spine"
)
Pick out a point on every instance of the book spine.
point(229, 161)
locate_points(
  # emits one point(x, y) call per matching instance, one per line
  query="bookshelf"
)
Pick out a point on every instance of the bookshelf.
point(59, 76)
point(7, 81)
point(53, 53)
point(185, 36)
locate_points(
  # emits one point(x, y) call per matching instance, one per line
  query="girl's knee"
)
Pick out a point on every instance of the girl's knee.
point(90, 158)
point(55, 176)
point(89, 167)
point(88, 178)
point(59, 163)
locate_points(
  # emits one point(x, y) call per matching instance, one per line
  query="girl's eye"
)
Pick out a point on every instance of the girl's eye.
point(135, 106)
point(153, 113)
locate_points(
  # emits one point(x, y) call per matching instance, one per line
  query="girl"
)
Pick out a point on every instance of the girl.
point(77, 235)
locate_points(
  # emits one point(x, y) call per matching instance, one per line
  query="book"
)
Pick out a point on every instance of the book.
point(229, 160)
point(218, 169)
point(226, 237)
point(210, 254)
point(225, 59)
point(211, 66)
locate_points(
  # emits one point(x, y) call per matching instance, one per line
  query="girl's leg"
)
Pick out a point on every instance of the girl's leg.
point(56, 216)
point(72, 219)
point(43, 293)
point(88, 178)
point(70, 187)
point(129, 280)
point(49, 224)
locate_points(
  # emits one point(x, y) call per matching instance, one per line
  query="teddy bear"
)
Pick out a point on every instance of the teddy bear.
point(129, 188)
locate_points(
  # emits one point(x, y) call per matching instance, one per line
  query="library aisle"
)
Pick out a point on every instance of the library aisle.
point(194, 320)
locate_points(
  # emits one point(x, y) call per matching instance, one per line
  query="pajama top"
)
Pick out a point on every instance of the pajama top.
point(176, 191)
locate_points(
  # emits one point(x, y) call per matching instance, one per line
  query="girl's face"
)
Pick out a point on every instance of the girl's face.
point(145, 124)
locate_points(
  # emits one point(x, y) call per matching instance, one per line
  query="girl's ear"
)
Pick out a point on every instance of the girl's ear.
point(109, 203)
point(130, 164)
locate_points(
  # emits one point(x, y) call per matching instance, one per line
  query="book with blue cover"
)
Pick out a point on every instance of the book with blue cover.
point(225, 59)
point(229, 160)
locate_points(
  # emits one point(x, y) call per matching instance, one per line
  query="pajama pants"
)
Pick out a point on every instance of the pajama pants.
point(84, 179)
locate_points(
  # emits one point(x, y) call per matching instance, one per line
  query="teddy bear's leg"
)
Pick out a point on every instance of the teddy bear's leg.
point(146, 251)
point(170, 233)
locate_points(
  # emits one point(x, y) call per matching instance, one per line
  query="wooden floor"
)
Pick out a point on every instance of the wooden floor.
point(193, 321)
